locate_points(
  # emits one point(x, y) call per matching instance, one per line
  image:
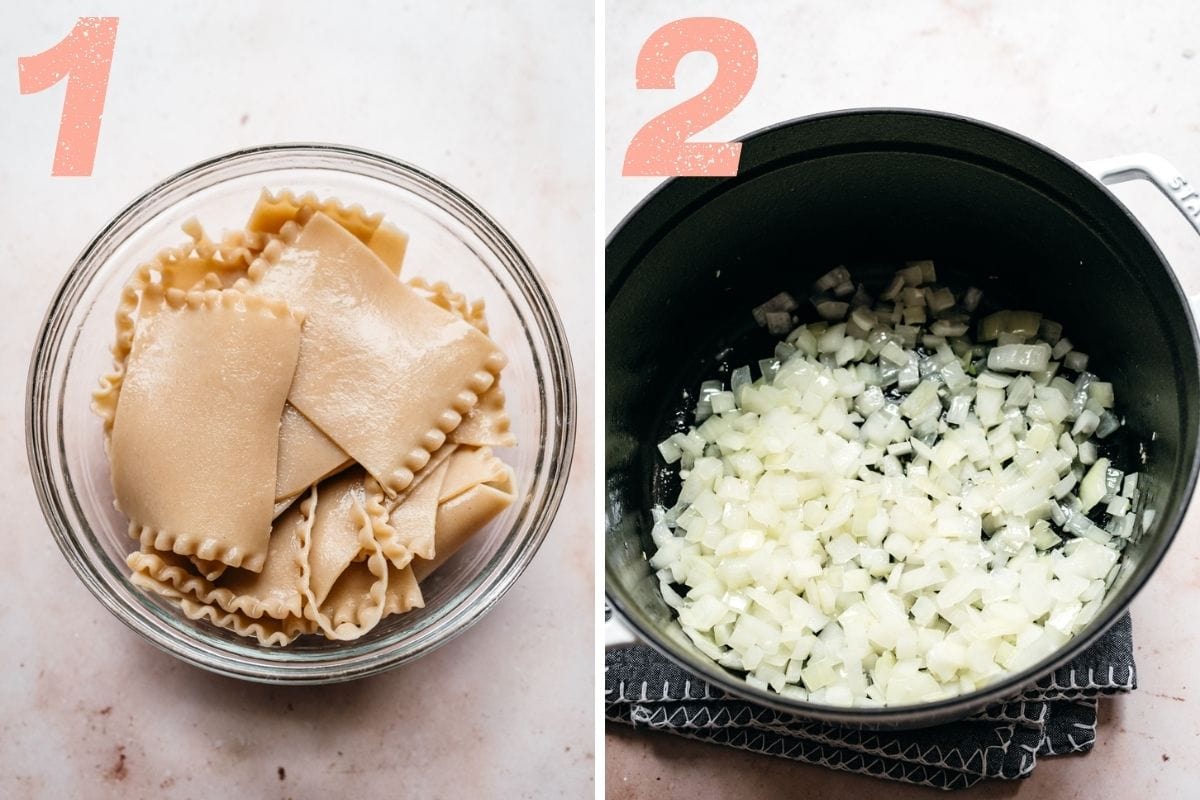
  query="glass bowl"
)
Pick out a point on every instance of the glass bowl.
point(452, 239)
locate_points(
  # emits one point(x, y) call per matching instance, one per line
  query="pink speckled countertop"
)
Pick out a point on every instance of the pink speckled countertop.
point(1090, 79)
point(87, 709)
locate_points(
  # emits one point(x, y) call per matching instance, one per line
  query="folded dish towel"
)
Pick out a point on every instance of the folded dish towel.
point(1055, 716)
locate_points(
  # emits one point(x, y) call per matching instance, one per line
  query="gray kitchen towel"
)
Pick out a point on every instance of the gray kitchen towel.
point(1055, 716)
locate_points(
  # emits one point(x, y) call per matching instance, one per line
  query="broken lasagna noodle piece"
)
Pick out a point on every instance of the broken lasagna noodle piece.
point(298, 436)
point(382, 371)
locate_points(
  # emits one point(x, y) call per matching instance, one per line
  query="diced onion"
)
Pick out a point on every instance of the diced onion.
point(1019, 357)
point(1118, 506)
point(1050, 331)
point(1075, 360)
point(1091, 488)
point(1107, 426)
point(778, 322)
point(738, 380)
point(782, 302)
point(941, 300)
point(831, 309)
point(830, 279)
point(893, 290)
point(872, 524)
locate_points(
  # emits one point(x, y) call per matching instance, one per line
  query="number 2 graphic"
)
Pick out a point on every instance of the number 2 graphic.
point(84, 58)
point(661, 147)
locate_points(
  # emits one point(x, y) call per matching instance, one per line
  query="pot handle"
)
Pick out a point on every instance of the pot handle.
point(617, 633)
point(1157, 170)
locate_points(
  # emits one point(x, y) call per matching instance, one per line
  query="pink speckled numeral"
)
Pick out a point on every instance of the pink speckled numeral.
point(84, 58)
point(661, 147)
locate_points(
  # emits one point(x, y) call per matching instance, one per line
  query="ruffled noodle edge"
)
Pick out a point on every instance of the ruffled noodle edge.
point(226, 260)
point(274, 210)
point(488, 423)
point(213, 299)
point(269, 632)
point(211, 570)
point(235, 250)
point(441, 295)
point(414, 460)
point(349, 619)
point(390, 539)
point(403, 592)
point(154, 563)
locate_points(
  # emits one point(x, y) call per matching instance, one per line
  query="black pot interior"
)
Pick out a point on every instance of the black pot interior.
point(871, 190)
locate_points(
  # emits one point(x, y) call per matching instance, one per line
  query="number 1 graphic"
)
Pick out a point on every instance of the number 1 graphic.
point(84, 58)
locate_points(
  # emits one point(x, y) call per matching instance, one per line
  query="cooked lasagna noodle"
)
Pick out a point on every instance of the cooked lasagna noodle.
point(298, 434)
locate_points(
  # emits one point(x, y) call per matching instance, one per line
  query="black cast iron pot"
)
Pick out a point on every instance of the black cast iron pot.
point(870, 189)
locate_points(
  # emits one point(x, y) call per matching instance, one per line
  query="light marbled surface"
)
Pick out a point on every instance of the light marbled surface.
point(1090, 80)
point(87, 709)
